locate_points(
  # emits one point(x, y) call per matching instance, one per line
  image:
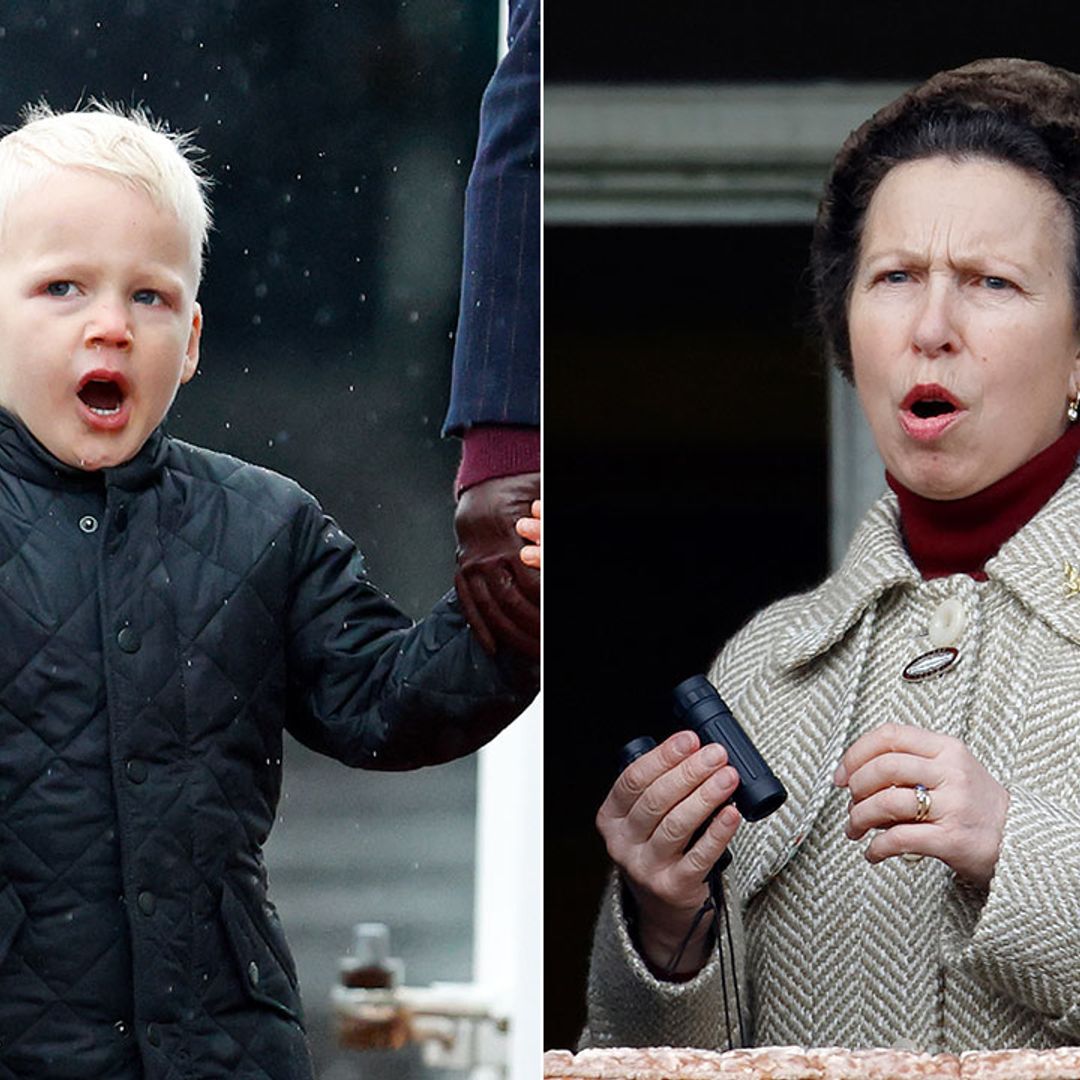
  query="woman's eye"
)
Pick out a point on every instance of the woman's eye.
point(147, 296)
point(996, 283)
point(894, 277)
point(60, 288)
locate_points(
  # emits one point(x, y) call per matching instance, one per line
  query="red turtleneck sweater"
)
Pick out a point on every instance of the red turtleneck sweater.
point(958, 536)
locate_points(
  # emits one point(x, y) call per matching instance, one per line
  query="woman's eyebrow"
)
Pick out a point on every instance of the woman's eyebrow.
point(892, 254)
point(979, 258)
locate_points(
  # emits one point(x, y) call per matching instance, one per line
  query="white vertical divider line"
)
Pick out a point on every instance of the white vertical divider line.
point(508, 937)
point(508, 940)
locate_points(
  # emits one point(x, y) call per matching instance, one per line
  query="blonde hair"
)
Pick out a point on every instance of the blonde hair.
point(125, 144)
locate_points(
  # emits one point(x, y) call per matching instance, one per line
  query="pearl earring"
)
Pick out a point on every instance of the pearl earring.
point(1073, 410)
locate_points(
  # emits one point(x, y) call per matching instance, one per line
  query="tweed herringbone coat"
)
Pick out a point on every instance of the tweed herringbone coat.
point(833, 950)
point(161, 624)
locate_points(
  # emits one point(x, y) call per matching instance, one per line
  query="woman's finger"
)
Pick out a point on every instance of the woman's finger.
point(673, 833)
point(892, 769)
point(704, 855)
point(921, 839)
point(888, 738)
point(669, 789)
point(639, 775)
point(892, 806)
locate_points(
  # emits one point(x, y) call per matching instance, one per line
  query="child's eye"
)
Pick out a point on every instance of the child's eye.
point(60, 288)
point(147, 296)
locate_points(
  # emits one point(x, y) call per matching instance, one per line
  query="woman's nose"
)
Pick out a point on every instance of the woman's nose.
point(935, 332)
point(109, 326)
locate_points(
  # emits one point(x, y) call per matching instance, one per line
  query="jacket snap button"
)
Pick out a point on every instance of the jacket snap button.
point(153, 1036)
point(88, 524)
point(136, 770)
point(147, 902)
point(253, 973)
point(128, 639)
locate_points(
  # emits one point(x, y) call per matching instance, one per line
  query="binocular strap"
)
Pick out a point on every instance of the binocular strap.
point(716, 907)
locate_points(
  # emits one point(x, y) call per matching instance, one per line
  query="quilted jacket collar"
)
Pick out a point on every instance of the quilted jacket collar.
point(1040, 565)
point(22, 455)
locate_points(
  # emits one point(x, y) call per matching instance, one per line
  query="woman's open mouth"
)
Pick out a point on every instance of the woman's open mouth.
point(928, 411)
point(103, 395)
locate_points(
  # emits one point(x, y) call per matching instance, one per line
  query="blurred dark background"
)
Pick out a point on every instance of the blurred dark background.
point(701, 41)
point(340, 136)
point(687, 430)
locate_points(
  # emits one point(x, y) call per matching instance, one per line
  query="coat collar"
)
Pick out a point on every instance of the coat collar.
point(1040, 565)
point(875, 563)
point(22, 455)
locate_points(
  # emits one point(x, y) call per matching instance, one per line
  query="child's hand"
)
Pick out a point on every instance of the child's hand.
point(529, 528)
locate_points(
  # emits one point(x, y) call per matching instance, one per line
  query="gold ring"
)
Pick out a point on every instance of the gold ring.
point(923, 802)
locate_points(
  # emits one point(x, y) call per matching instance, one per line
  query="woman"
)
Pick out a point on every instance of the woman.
point(920, 887)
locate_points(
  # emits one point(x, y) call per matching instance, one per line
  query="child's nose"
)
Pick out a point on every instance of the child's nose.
point(108, 327)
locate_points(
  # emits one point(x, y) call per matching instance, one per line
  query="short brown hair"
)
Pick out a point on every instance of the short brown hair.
point(1022, 112)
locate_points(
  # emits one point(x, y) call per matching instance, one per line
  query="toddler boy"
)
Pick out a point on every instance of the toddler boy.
point(165, 612)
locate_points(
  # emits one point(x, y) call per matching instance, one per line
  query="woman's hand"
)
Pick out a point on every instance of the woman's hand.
point(964, 806)
point(647, 821)
point(529, 529)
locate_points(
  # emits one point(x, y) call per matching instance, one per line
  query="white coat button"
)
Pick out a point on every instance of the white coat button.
point(947, 623)
point(88, 523)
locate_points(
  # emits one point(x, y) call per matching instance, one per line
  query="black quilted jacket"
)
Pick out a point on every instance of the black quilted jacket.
point(160, 625)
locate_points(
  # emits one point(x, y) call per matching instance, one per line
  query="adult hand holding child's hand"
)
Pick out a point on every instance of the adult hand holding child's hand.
point(499, 593)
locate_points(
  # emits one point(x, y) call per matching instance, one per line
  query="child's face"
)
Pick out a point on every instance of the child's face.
point(98, 320)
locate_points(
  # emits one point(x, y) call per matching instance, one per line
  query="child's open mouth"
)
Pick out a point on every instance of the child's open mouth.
point(104, 398)
point(103, 394)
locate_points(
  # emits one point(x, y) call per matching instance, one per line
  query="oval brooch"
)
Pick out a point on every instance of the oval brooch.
point(930, 663)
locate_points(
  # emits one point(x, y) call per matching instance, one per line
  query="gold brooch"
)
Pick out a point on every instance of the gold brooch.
point(1072, 580)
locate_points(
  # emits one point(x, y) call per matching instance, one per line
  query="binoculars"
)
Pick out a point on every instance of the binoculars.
point(699, 707)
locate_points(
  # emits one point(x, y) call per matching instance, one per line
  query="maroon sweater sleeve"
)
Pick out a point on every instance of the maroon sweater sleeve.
point(491, 450)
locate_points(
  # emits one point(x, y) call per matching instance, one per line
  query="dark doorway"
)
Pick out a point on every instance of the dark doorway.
point(686, 441)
